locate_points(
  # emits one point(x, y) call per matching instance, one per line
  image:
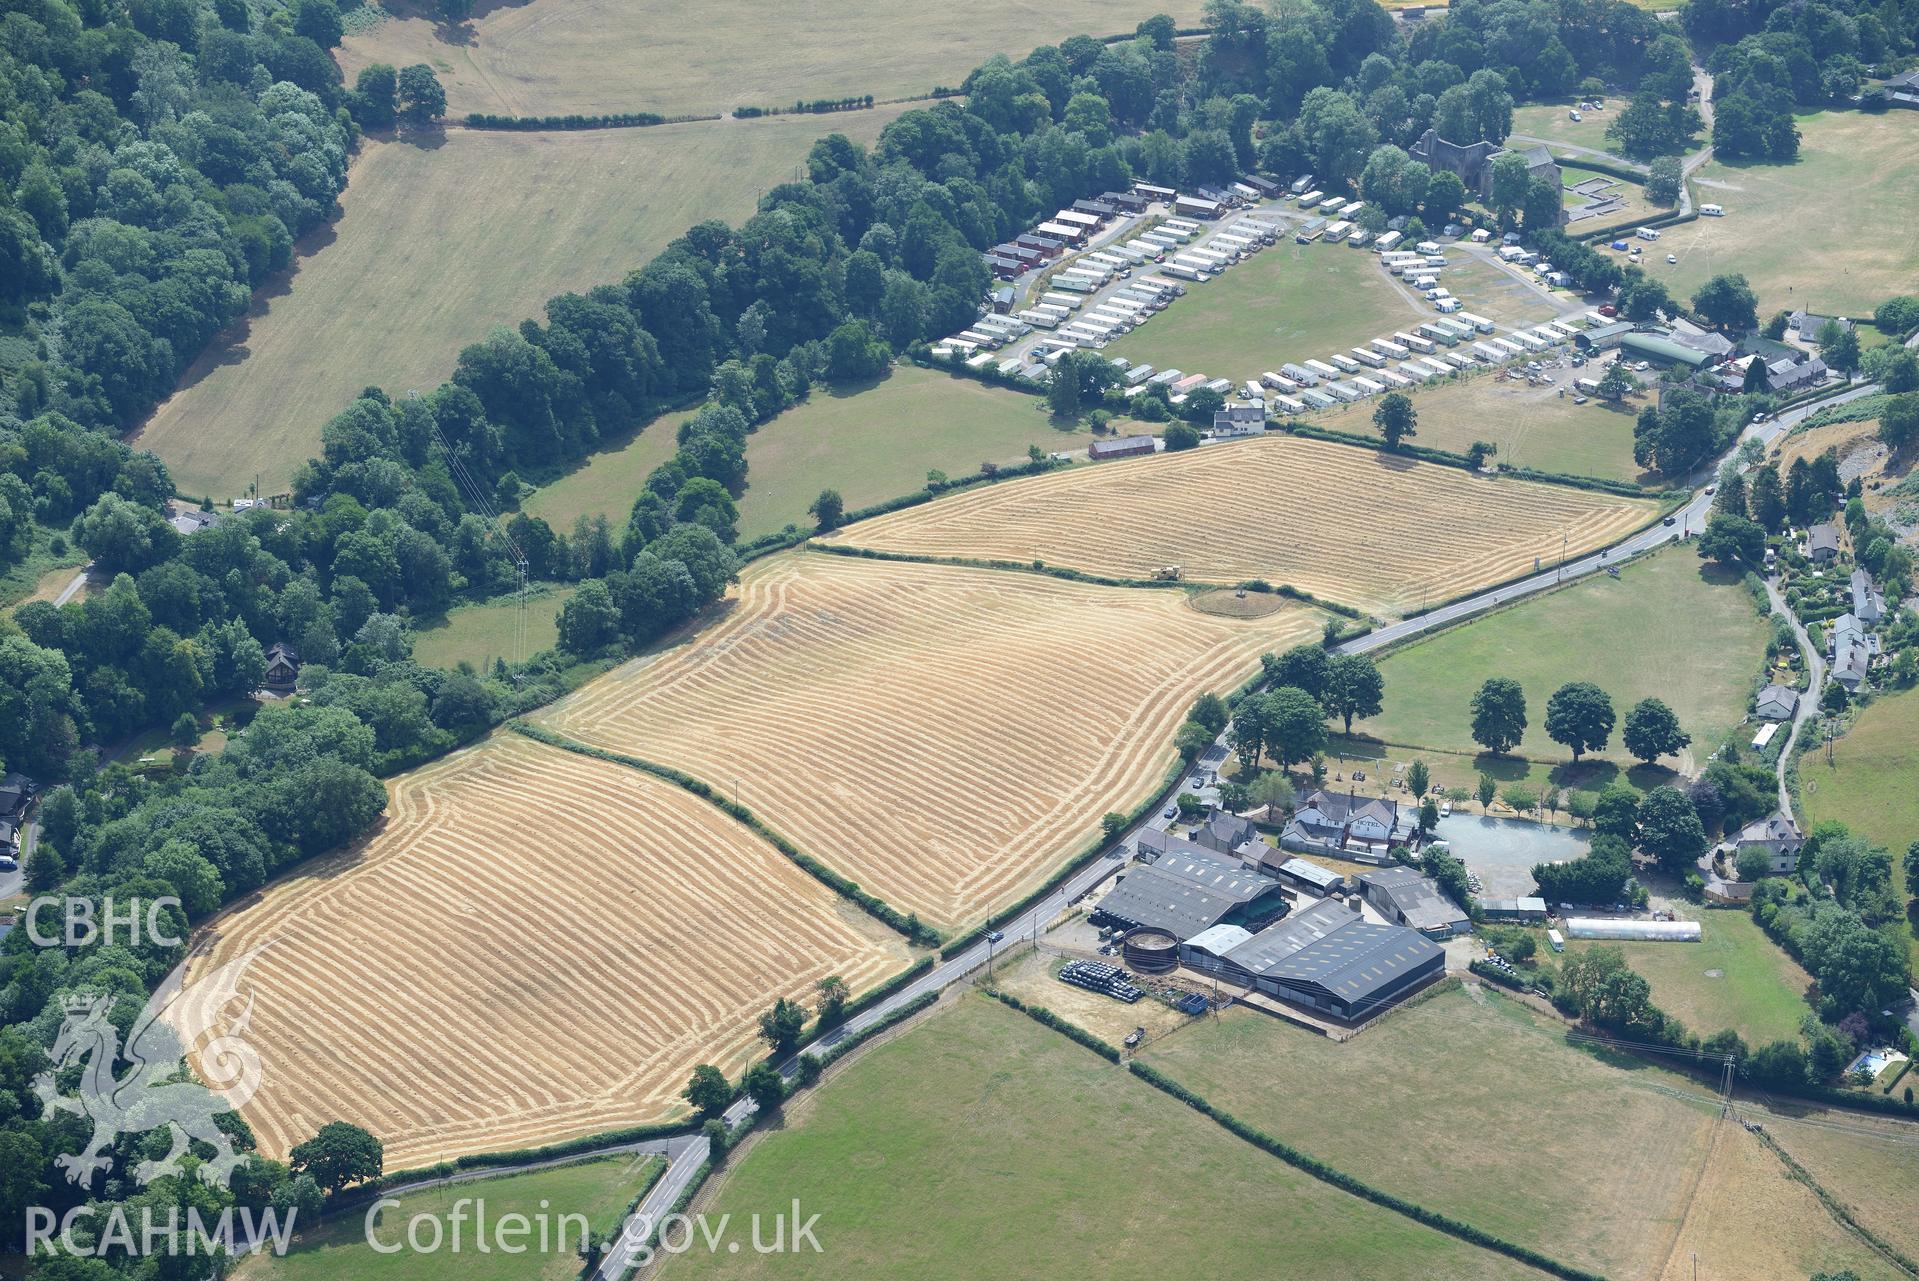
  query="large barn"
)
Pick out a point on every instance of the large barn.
point(1326, 957)
point(1187, 890)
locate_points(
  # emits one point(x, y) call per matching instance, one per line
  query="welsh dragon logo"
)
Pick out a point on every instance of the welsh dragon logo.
point(155, 1093)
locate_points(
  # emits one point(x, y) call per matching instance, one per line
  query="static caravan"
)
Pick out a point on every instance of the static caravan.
point(1427, 246)
point(1162, 242)
point(1334, 205)
point(1508, 346)
point(1138, 374)
point(1289, 405)
point(1712, 211)
point(1511, 253)
point(1389, 241)
point(1346, 363)
point(1530, 341)
point(1392, 379)
point(1414, 341)
point(1190, 381)
point(1359, 239)
point(1184, 273)
point(1165, 378)
point(1245, 192)
point(1338, 232)
point(1487, 351)
point(1164, 287)
point(1011, 366)
point(1351, 211)
point(1561, 328)
point(1387, 346)
point(1342, 391)
point(1044, 320)
point(1458, 360)
point(961, 346)
point(1308, 232)
point(1109, 261)
point(1480, 323)
point(1548, 336)
point(1311, 199)
point(1252, 391)
point(1439, 367)
point(1186, 225)
point(1303, 183)
point(1366, 357)
point(1144, 248)
point(1132, 306)
point(1078, 284)
point(1069, 301)
point(1220, 385)
point(1458, 329)
point(980, 338)
point(1317, 399)
point(1054, 310)
point(1437, 333)
point(1323, 369)
point(1416, 370)
point(1301, 375)
point(1367, 387)
point(980, 361)
point(1278, 382)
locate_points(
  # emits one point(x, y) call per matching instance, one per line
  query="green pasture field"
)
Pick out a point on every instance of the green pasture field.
point(338, 1250)
point(1290, 302)
point(1872, 785)
point(1475, 1105)
point(480, 633)
point(871, 443)
point(980, 1143)
point(1532, 426)
point(556, 57)
point(416, 268)
point(1548, 121)
point(1734, 977)
point(1830, 232)
point(1667, 628)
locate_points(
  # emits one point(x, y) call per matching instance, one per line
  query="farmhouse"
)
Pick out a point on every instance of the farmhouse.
point(1239, 420)
point(1122, 447)
point(1868, 605)
point(1853, 649)
point(1778, 836)
point(1231, 835)
point(191, 520)
point(1331, 821)
point(1413, 900)
point(1822, 543)
point(1777, 703)
point(1187, 891)
point(1326, 958)
point(1808, 325)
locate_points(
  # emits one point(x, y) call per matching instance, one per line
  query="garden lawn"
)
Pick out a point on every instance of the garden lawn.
point(338, 1249)
point(982, 1144)
point(1667, 627)
point(480, 633)
point(1476, 1108)
point(1872, 785)
point(1290, 302)
point(1734, 977)
point(1830, 232)
point(1532, 426)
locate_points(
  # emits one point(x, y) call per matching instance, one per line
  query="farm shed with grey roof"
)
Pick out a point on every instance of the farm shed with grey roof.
point(1186, 891)
point(1325, 957)
point(1413, 900)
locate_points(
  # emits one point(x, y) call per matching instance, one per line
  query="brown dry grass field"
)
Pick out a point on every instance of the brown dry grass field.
point(1749, 1219)
point(534, 946)
point(555, 57)
point(1870, 1164)
point(1353, 525)
point(944, 736)
point(416, 268)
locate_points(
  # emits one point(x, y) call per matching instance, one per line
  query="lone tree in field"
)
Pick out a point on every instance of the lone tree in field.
point(782, 1026)
point(422, 100)
point(829, 509)
point(1653, 731)
point(1727, 302)
point(1499, 715)
point(1353, 688)
point(1396, 418)
point(1580, 716)
point(341, 1153)
point(708, 1091)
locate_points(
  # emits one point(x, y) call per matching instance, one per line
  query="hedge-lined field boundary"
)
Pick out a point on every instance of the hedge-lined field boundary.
point(905, 923)
point(1046, 1018)
point(1447, 458)
point(1337, 1178)
point(613, 120)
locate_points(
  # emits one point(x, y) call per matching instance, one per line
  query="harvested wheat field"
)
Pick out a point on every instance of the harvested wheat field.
point(534, 946)
point(944, 736)
point(1356, 526)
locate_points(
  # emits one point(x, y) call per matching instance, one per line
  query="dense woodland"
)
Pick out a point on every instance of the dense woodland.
point(157, 162)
